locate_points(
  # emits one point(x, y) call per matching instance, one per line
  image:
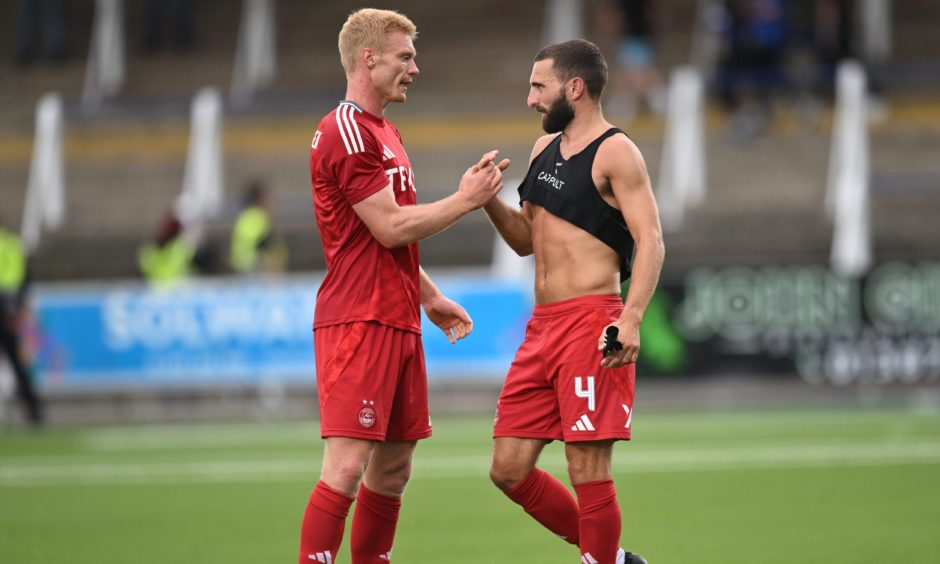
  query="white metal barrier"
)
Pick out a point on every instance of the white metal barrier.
point(682, 174)
point(255, 55)
point(847, 191)
point(706, 36)
point(104, 75)
point(203, 180)
point(564, 20)
point(45, 192)
point(877, 39)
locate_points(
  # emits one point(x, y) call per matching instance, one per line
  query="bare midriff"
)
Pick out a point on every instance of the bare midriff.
point(570, 262)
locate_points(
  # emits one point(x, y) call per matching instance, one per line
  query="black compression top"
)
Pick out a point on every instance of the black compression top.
point(565, 188)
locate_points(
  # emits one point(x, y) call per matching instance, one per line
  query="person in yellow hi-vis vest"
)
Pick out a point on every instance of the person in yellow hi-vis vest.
point(14, 281)
point(255, 247)
point(167, 259)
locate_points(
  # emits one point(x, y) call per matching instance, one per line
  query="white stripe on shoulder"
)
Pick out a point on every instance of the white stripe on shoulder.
point(341, 127)
point(352, 118)
point(352, 128)
point(345, 112)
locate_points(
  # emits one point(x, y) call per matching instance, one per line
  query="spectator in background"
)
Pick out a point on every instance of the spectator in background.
point(637, 56)
point(832, 38)
point(168, 259)
point(255, 247)
point(35, 18)
point(844, 30)
point(155, 20)
point(751, 70)
point(14, 283)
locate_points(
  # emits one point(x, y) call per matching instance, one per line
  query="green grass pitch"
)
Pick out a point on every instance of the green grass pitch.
point(815, 486)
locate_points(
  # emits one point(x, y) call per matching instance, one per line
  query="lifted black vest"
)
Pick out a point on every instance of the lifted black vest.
point(566, 189)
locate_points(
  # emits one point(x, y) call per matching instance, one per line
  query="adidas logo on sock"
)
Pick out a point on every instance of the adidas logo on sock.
point(586, 558)
point(325, 557)
point(583, 424)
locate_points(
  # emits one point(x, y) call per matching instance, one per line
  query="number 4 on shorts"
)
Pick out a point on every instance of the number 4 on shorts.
point(582, 392)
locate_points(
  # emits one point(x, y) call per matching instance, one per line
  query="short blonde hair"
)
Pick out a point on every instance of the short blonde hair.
point(370, 27)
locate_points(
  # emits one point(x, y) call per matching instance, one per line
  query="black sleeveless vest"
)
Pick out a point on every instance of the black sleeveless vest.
point(566, 189)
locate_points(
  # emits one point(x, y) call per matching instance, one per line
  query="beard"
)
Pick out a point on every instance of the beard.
point(558, 116)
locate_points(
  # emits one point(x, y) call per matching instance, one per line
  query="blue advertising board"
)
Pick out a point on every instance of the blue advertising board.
point(794, 320)
point(227, 331)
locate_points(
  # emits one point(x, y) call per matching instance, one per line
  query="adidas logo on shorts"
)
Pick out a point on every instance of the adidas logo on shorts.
point(583, 424)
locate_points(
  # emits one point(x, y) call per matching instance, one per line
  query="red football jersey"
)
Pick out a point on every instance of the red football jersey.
point(354, 154)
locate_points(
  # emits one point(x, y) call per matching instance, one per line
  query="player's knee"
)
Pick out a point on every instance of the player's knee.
point(394, 483)
point(390, 477)
point(343, 476)
point(589, 462)
point(505, 476)
point(395, 486)
point(582, 471)
point(579, 473)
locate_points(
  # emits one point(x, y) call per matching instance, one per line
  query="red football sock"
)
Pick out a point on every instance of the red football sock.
point(373, 527)
point(549, 502)
point(324, 521)
point(600, 521)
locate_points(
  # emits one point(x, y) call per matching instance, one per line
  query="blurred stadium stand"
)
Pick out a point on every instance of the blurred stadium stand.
point(125, 161)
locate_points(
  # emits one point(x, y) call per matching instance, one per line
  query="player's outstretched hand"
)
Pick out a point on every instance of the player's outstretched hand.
point(483, 180)
point(627, 337)
point(453, 319)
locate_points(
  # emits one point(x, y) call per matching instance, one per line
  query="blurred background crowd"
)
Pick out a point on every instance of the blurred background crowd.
point(180, 130)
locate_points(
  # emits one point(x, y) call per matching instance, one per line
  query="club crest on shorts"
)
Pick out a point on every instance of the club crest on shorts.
point(367, 414)
point(367, 417)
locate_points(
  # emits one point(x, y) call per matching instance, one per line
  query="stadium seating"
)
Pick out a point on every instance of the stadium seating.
point(125, 162)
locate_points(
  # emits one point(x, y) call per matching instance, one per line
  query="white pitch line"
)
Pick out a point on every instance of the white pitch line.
point(199, 437)
point(63, 473)
point(791, 424)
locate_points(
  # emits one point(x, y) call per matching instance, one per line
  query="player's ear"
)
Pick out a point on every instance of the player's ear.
point(575, 88)
point(367, 57)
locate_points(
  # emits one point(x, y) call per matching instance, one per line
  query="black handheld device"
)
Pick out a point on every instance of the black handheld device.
point(611, 344)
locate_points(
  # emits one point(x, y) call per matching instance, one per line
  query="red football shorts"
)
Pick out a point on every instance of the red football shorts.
point(372, 382)
point(556, 387)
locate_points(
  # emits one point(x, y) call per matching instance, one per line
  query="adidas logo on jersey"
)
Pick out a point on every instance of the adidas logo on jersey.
point(387, 153)
point(583, 424)
point(325, 557)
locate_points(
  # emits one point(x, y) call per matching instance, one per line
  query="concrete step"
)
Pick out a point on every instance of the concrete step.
point(764, 202)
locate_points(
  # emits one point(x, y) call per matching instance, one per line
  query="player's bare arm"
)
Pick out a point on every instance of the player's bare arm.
point(621, 163)
point(395, 226)
point(447, 314)
point(513, 225)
